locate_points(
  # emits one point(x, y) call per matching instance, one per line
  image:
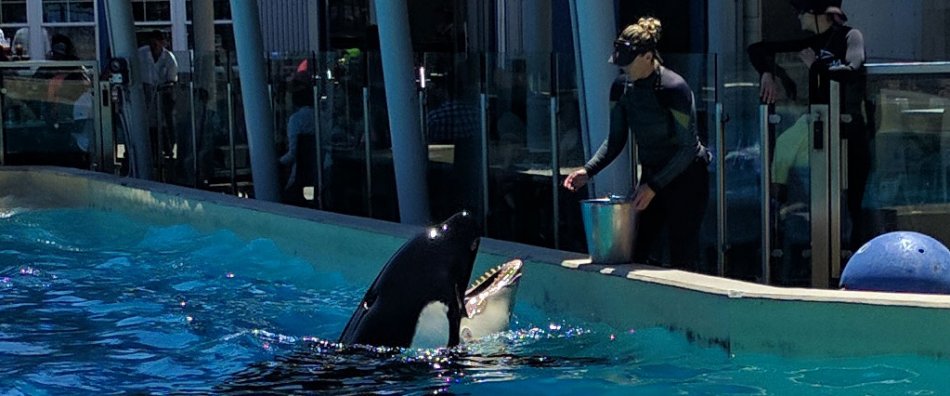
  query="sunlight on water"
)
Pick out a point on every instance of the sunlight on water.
point(93, 302)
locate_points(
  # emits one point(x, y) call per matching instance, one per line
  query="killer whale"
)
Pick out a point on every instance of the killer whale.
point(419, 291)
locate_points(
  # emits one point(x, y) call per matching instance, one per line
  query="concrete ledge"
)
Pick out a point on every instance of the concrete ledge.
point(739, 316)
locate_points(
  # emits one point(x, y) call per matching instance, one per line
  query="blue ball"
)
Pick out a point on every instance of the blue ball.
point(900, 261)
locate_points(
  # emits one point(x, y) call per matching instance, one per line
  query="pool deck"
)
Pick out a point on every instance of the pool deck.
point(741, 317)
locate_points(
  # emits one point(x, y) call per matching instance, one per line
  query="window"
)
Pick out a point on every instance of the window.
point(222, 10)
point(68, 11)
point(151, 10)
point(13, 11)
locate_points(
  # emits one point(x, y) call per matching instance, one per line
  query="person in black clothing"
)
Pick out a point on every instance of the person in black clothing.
point(658, 105)
point(835, 52)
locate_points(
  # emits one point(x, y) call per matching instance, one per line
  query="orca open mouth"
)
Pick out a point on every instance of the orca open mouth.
point(494, 282)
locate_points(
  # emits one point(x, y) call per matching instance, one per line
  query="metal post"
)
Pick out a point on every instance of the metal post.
point(555, 156)
point(483, 112)
point(271, 100)
point(766, 197)
point(368, 148)
point(258, 116)
point(409, 151)
point(105, 128)
point(138, 144)
point(422, 115)
point(194, 123)
point(820, 196)
point(555, 173)
point(835, 173)
point(318, 130)
point(231, 150)
point(721, 219)
point(3, 120)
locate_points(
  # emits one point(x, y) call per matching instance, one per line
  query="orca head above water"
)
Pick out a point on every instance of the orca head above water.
point(417, 298)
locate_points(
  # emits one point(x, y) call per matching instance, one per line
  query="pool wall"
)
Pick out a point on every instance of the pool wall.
point(741, 317)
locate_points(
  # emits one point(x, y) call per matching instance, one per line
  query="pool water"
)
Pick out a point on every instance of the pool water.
point(94, 301)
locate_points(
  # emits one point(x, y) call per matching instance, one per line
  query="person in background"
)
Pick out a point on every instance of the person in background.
point(62, 49)
point(835, 52)
point(301, 123)
point(658, 106)
point(4, 47)
point(62, 89)
point(159, 76)
point(21, 44)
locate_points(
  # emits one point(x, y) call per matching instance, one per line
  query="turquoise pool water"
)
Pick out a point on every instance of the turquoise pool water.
point(95, 302)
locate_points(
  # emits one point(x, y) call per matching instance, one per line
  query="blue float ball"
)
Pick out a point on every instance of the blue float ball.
point(901, 261)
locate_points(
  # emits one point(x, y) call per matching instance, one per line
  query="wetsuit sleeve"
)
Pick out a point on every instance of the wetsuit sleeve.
point(682, 107)
point(762, 56)
point(853, 59)
point(616, 139)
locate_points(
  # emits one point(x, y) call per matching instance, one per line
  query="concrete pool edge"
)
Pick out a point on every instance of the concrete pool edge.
point(741, 316)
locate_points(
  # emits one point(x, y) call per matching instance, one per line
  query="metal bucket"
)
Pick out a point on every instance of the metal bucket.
point(611, 227)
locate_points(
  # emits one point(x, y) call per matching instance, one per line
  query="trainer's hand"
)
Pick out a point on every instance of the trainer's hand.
point(768, 90)
point(807, 56)
point(576, 180)
point(645, 194)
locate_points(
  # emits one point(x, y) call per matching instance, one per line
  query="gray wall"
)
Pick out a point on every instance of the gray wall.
point(895, 30)
point(284, 25)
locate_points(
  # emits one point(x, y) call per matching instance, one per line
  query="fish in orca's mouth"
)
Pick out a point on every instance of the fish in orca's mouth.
point(493, 283)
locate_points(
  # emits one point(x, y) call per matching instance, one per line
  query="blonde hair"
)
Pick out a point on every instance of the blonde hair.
point(646, 32)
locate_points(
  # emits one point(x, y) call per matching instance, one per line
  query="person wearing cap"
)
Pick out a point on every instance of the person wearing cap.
point(658, 106)
point(834, 52)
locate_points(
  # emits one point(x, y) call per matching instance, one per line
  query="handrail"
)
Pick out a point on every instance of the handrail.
point(908, 68)
point(47, 63)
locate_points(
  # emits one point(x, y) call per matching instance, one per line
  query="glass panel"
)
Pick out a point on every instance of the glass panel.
point(215, 125)
point(173, 124)
point(48, 116)
point(909, 184)
point(83, 39)
point(291, 88)
point(341, 122)
point(138, 12)
point(55, 11)
point(67, 11)
point(453, 133)
point(385, 199)
point(571, 155)
point(13, 11)
point(791, 184)
point(222, 10)
point(739, 95)
point(81, 11)
point(519, 148)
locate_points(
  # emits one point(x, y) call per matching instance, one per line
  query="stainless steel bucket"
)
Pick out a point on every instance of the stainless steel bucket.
point(611, 227)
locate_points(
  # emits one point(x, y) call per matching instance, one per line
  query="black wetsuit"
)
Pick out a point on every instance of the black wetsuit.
point(661, 113)
point(840, 57)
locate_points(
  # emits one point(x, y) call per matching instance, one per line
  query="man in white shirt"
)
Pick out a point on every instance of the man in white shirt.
point(159, 75)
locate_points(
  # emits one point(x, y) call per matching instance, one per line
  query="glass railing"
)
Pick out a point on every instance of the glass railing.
point(501, 131)
point(50, 114)
point(909, 184)
point(746, 163)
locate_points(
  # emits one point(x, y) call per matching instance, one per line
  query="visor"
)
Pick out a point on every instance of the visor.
point(626, 51)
